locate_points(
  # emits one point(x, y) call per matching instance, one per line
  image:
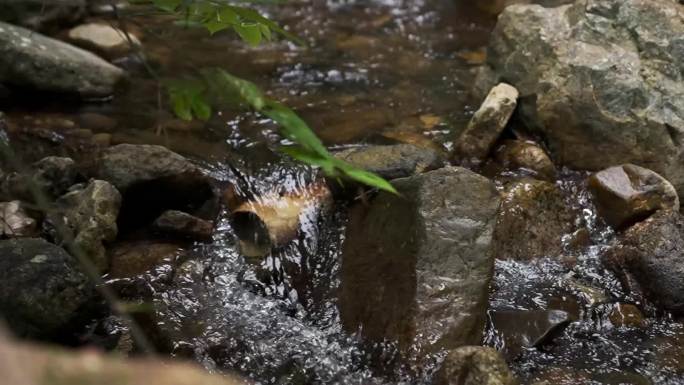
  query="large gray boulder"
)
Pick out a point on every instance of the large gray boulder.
point(41, 286)
point(416, 268)
point(42, 14)
point(600, 80)
point(29, 59)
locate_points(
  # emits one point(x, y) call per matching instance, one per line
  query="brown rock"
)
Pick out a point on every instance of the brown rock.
point(528, 328)
point(103, 39)
point(627, 194)
point(393, 161)
point(23, 364)
point(626, 315)
point(474, 365)
point(516, 154)
point(182, 224)
point(15, 222)
point(532, 221)
point(91, 214)
point(649, 259)
point(134, 258)
point(486, 125)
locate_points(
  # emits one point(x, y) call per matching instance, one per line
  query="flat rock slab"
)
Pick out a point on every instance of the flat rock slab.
point(416, 268)
point(393, 161)
point(29, 59)
point(528, 328)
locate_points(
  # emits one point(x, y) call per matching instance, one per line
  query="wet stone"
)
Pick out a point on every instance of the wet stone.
point(626, 315)
point(51, 176)
point(54, 66)
point(427, 282)
point(476, 142)
point(153, 179)
point(532, 221)
point(410, 137)
point(91, 215)
point(43, 287)
point(103, 39)
point(182, 224)
point(649, 258)
point(527, 328)
point(474, 365)
point(15, 222)
point(627, 194)
point(393, 161)
point(520, 154)
point(130, 259)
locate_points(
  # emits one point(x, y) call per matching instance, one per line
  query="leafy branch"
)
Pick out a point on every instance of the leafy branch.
point(219, 15)
point(193, 97)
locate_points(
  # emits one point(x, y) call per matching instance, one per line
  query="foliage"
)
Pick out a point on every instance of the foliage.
point(219, 15)
point(193, 97)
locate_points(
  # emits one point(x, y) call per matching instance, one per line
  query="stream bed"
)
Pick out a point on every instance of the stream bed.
point(374, 72)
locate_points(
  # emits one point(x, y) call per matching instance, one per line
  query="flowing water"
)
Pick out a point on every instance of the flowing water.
point(373, 71)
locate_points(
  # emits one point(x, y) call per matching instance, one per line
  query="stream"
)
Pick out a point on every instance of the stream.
point(379, 72)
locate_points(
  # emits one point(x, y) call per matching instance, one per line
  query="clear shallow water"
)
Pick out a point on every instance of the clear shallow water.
point(371, 68)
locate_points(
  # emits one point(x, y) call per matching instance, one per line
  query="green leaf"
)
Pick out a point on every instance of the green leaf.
point(310, 158)
point(200, 107)
point(249, 32)
point(215, 26)
point(223, 18)
point(226, 85)
point(167, 5)
point(366, 177)
point(294, 127)
point(252, 15)
point(265, 31)
point(189, 98)
point(227, 15)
